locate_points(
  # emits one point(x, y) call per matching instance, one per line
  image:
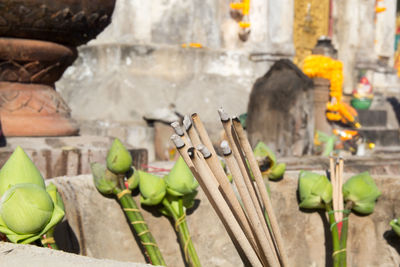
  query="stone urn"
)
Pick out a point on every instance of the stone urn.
point(38, 42)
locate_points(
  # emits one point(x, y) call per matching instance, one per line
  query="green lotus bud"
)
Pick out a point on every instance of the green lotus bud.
point(315, 190)
point(362, 191)
point(119, 159)
point(180, 180)
point(26, 208)
point(104, 180)
point(133, 180)
point(19, 169)
point(395, 224)
point(265, 156)
point(152, 188)
point(277, 171)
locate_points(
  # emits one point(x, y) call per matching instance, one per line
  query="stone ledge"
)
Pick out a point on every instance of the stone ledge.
point(33, 256)
point(59, 156)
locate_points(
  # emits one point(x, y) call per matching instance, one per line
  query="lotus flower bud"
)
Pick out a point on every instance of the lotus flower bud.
point(119, 159)
point(395, 224)
point(277, 171)
point(362, 191)
point(26, 208)
point(133, 179)
point(180, 180)
point(19, 169)
point(315, 190)
point(152, 188)
point(265, 156)
point(104, 180)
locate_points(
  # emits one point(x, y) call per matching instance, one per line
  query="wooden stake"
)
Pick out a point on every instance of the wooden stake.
point(263, 192)
point(226, 122)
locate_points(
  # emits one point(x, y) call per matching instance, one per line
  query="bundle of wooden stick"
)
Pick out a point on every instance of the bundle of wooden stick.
point(249, 220)
point(336, 174)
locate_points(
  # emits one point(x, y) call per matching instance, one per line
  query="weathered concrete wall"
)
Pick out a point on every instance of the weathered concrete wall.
point(137, 64)
point(306, 234)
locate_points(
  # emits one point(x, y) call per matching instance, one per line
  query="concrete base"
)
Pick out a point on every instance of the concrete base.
point(28, 255)
point(59, 156)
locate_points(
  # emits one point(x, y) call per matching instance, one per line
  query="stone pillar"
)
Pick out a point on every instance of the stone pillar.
point(280, 26)
point(385, 31)
point(346, 37)
point(321, 97)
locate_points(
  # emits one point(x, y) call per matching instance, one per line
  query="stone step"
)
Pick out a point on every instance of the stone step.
point(372, 117)
point(381, 136)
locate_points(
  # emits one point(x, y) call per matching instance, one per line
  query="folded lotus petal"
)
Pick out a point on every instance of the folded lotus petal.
point(180, 180)
point(15, 232)
point(362, 191)
point(133, 180)
point(104, 180)
point(277, 171)
point(315, 190)
point(262, 150)
point(395, 226)
point(152, 188)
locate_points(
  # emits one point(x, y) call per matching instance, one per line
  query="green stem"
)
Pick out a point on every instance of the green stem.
point(48, 240)
point(335, 235)
point(139, 225)
point(183, 232)
point(343, 237)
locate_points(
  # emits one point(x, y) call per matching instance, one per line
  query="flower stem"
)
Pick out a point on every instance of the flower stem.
point(139, 225)
point(343, 238)
point(335, 236)
point(48, 240)
point(183, 231)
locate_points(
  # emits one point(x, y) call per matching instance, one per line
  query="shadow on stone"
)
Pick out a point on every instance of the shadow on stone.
point(66, 238)
point(392, 239)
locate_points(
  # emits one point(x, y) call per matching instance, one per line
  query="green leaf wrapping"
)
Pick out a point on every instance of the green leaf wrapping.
point(180, 180)
point(362, 191)
point(152, 188)
point(19, 169)
point(315, 190)
point(39, 213)
point(119, 160)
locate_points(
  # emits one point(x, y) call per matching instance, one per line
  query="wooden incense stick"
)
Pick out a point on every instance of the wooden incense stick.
point(332, 167)
point(194, 137)
point(337, 191)
point(230, 198)
point(204, 176)
point(263, 191)
point(179, 131)
point(226, 122)
point(205, 139)
point(247, 202)
point(340, 185)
